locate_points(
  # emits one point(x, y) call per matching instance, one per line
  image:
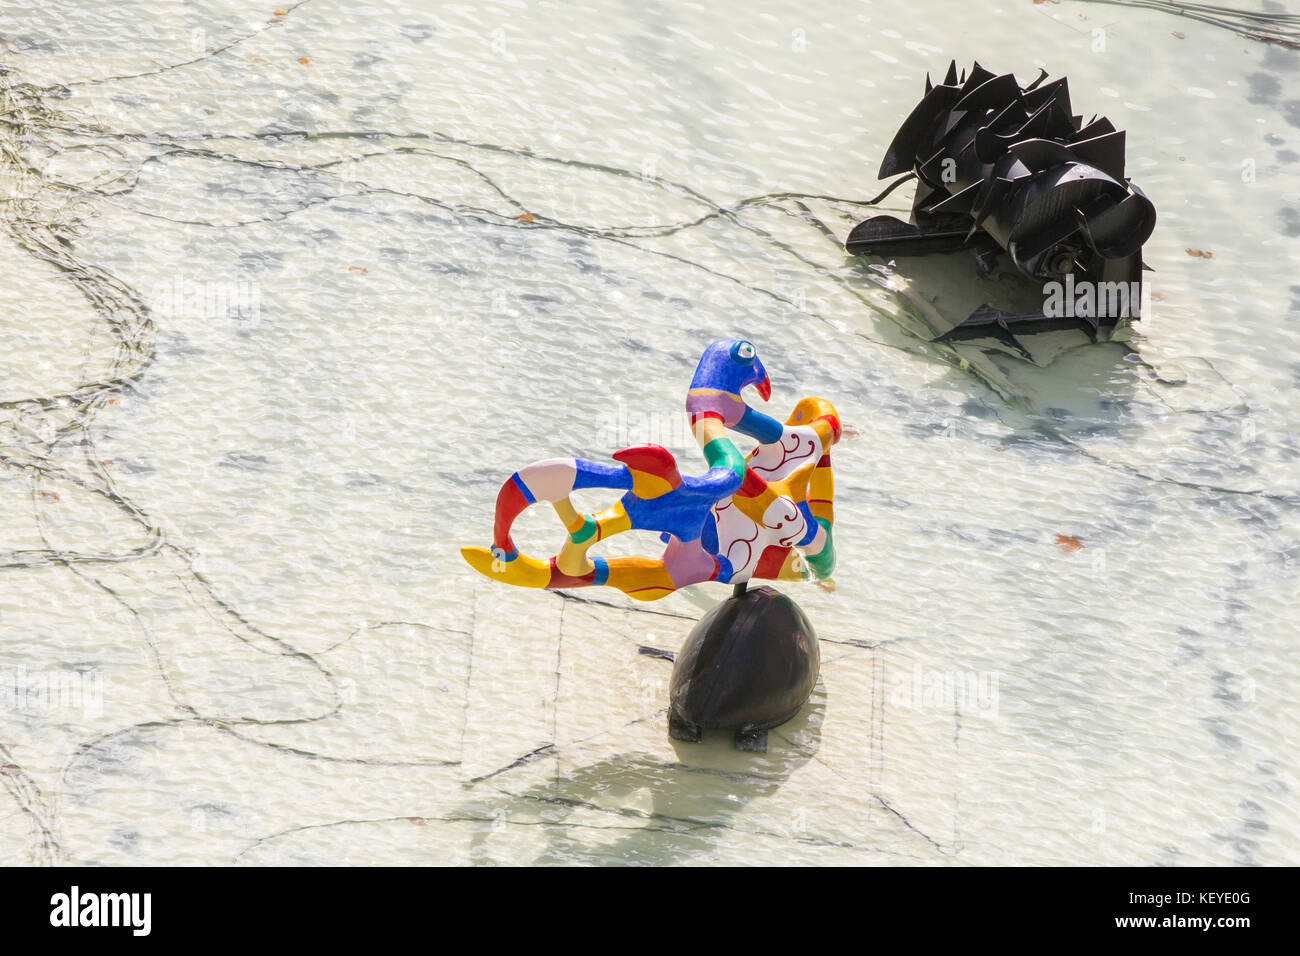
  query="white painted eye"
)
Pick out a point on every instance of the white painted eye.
point(744, 351)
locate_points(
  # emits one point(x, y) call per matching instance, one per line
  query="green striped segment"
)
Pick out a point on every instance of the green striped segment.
point(723, 453)
point(823, 562)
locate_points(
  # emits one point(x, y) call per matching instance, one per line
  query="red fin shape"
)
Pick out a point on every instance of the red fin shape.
point(653, 460)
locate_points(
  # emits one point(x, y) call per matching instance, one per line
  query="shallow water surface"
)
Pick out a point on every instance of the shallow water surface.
point(290, 293)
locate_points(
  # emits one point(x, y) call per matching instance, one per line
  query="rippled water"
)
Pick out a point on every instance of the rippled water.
point(276, 326)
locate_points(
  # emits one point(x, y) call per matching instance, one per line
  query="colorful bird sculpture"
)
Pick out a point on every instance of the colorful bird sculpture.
point(746, 517)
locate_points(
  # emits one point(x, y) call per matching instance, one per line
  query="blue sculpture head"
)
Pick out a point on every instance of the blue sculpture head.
point(729, 365)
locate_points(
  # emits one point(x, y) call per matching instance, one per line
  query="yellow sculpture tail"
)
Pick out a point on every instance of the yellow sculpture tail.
point(523, 571)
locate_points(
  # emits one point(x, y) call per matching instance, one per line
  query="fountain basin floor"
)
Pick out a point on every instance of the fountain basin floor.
point(274, 275)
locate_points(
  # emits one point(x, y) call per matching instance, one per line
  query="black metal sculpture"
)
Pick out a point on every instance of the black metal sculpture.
point(1005, 169)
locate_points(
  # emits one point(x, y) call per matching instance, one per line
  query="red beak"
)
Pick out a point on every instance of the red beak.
point(765, 388)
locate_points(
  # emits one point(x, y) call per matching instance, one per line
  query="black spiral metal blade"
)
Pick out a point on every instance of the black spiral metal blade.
point(1098, 127)
point(994, 190)
point(978, 77)
point(1057, 91)
point(1118, 230)
point(959, 202)
point(902, 151)
point(1105, 152)
point(994, 94)
point(1042, 75)
point(988, 145)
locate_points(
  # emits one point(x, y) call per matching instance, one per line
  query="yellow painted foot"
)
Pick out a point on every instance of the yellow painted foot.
point(523, 571)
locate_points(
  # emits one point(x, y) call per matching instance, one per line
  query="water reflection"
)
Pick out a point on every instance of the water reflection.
point(685, 807)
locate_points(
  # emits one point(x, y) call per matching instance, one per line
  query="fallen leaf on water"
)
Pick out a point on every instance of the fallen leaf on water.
point(115, 401)
point(526, 217)
point(1068, 542)
point(281, 12)
point(304, 60)
point(1200, 253)
point(358, 270)
point(828, 585)
point(50, 495)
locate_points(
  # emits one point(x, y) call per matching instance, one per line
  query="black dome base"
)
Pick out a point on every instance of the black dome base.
point(748, 665)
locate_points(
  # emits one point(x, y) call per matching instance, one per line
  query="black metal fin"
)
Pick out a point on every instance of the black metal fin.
point(1038, 154)
point(888, 236)
point(931, 170)
point(988, 145)
point(1057, 91)
point(994, 94)
point(978, 76)
point(993, 191)
point(1098, 127)
point(1104, 152)
point(1042, 75)
point(959, 202)
point(1040, 123)
point(901, 154)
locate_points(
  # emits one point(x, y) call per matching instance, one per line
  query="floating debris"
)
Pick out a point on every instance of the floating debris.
point(1068, 542)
